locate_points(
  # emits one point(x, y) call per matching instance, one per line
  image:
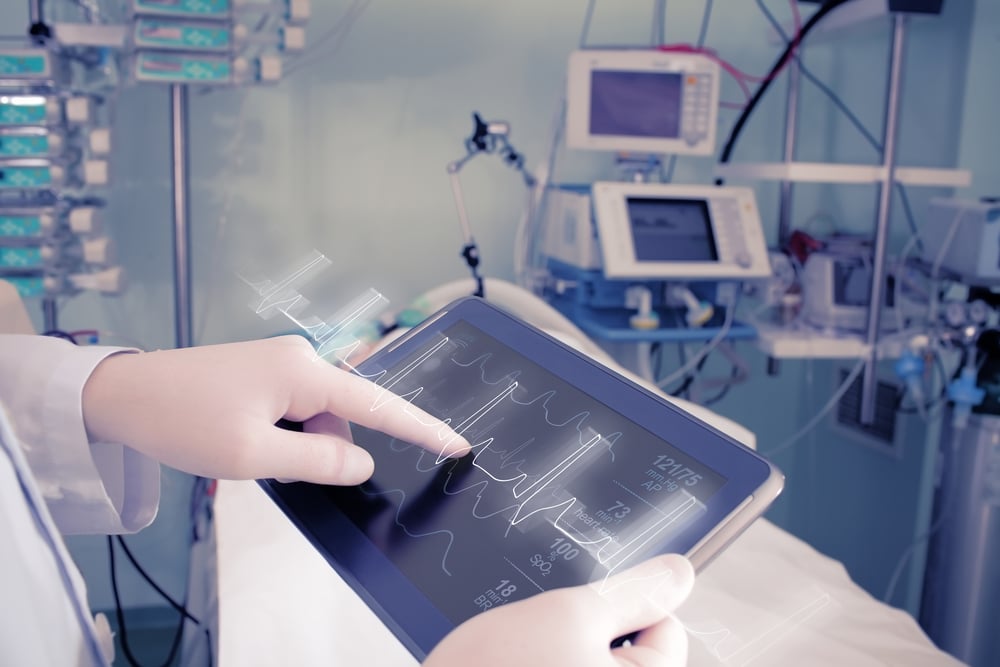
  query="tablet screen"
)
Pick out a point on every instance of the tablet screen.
point(575, 473)
point(558, 489)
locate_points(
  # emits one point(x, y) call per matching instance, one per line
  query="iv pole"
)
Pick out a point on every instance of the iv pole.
point(180, 182)
point(38, 32)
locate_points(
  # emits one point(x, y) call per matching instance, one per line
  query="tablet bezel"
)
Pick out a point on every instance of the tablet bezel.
point(751, 483)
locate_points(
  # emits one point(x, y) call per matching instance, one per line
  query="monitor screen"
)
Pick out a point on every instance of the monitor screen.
point(671, 230)
point(636, 104)
point(561, 488)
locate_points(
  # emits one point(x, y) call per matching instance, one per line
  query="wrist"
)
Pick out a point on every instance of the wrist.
point(106, 393)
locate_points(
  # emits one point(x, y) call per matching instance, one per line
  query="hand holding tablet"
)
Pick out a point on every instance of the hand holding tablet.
point(575, 476)
point(576, 626)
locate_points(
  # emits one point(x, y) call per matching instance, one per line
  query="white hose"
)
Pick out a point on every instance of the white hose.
point(837, 395)
point(702, 353)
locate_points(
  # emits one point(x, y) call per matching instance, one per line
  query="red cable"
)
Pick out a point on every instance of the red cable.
point(796, 17)
point(742, 78)
point(739, 76)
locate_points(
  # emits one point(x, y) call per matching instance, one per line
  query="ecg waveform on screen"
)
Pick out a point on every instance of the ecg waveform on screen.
point(530, 494)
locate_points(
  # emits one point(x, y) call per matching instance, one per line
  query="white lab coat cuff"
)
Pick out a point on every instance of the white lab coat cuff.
point(118, 489)
point(89, 488)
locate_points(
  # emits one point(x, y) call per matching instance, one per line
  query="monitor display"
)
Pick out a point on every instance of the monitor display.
point(560, 488)
point(636, 104)
point(671, 230)
point(642, 100)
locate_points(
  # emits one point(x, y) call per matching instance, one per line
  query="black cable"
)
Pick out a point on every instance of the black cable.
point(690, 376)
point(718, 397)
point(59, 333)
point(175, 644)
point(119, 612)
point(166, 596)
point(850, 115)
point(181, 609)
point(735, 373)
point(734, 134)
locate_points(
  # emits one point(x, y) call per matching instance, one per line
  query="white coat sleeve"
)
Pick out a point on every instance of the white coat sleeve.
point(89, 487)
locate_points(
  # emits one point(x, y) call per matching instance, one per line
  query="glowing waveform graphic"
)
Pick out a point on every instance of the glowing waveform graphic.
point(335, 335)
point(528, 494)
point(332, 334)
point(728, 647)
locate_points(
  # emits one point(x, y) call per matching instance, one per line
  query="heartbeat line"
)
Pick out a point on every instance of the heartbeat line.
point(730, 648)
point(399, 509)
point(526, 491)
point(335, 335)
point(548, 396)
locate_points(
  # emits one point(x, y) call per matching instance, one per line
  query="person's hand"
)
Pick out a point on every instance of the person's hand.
point(575, 626)
point(211, 411)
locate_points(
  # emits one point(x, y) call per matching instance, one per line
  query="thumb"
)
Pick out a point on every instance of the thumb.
point(313, 457)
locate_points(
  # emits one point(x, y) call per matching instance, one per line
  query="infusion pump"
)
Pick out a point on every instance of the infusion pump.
point(658, 231)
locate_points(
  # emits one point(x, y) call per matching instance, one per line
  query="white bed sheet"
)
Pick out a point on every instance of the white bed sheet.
point(769, 599)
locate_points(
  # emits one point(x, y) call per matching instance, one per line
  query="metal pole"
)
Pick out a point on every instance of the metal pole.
point(656, 37)
point(791, 126)
point(181, 211)
point(50, 314)
point(785, 195)
point(870, 378)
point(35, 15)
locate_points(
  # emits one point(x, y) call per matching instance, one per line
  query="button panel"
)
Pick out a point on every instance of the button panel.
point(696, 109)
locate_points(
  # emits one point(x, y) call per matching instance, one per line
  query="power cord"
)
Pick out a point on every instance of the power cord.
point(780, 63)
point(185, 615)
point(59, 333)
point(852, 117)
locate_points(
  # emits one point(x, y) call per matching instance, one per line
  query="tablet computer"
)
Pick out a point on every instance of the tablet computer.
point(575, 473)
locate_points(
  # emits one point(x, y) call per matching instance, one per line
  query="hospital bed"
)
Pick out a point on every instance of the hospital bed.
point(769, 599)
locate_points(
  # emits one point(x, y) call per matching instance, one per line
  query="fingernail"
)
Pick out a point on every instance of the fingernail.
point(457, 448)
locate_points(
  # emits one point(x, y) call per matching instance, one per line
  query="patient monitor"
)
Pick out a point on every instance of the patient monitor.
point(679, 232)
point(642, 100)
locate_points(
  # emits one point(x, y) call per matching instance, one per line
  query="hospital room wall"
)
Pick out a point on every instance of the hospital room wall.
point(979, 148)
point(348, 156)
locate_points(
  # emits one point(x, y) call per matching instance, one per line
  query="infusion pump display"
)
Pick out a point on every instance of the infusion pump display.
point(682, 232)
